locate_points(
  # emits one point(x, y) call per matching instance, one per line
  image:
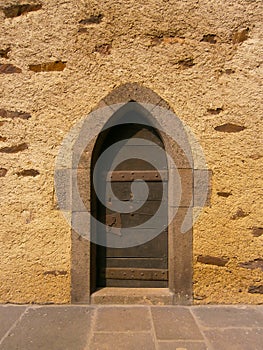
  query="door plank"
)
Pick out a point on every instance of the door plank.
point(155, 248)
point(154, 263)
point(135, 274)
point(122, 190)
point(133, 283)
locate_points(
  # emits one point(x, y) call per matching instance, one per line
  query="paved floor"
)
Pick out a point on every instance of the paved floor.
point(131, 327)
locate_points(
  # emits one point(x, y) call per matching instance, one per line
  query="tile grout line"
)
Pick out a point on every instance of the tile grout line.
point(124, 331)
point(153, 329)
point(231, 328)
point(92, 327)
point(13, 325)
point(207, 343)
point(167, 341)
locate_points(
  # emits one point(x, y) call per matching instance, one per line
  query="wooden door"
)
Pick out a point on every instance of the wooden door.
point(144, 265)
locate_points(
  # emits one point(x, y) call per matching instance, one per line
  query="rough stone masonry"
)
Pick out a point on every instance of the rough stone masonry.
point(59, 58)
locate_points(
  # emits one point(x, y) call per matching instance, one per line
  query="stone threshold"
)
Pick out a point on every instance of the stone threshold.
point(125, 296)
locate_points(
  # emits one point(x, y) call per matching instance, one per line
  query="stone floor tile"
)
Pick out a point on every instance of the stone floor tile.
point(51, 328)
point(118, 341)
point(9, 314)
point(228, 316)
point(123, 319)
point(175, 323)
point(181, 345)
point(235, 338)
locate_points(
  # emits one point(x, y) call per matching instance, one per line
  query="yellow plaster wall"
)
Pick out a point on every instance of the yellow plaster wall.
point(199, 56)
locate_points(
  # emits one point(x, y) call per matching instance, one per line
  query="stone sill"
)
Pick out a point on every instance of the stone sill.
point(124, 296)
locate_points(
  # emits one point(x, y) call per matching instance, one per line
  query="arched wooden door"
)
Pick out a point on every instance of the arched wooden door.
point(143, 265)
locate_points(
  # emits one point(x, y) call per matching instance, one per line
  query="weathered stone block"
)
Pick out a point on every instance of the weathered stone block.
point(202, 187)
point(28, 172)
point(240, 36)
point(229, 127)
point(212, 260)
point(20, 9)
point(209, 38)
point(228, 316)
point(215, 111)
point(256, 289)
point(2, 138)
point(257, 231)
point(47, 327)
point(103, 49)
point(14, 114)
point(3, 172)
point(48, 67)
point(252, 264)
point(14, 149)
point(94, 19)
point(110, 319)
point(63, 187)
point(240, 213)
point(8, 68)
point(4, 52)
point(186, 63)
point(224, 194)
point(175, 323)
point(130, 92)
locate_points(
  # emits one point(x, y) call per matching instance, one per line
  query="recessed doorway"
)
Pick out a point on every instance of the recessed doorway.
point(141, 265)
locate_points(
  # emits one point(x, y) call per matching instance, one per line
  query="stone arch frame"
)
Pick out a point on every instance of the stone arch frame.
point(180, 245)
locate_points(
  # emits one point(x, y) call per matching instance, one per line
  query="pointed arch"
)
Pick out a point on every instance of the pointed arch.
point(83, 284)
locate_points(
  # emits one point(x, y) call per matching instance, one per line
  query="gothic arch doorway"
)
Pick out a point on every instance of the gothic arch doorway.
point(144, 262)
point(162, 265)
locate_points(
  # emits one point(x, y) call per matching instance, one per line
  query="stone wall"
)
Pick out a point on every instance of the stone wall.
point(59, 58)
